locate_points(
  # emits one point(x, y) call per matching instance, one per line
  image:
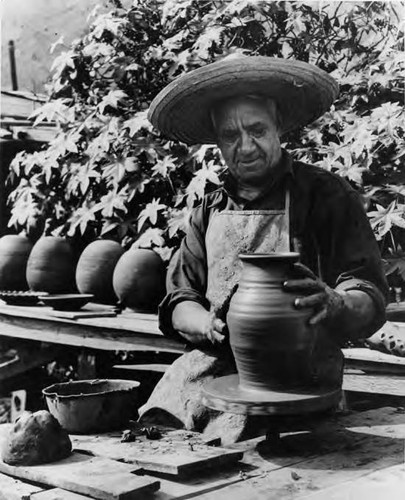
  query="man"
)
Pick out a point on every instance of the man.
point(269, 203)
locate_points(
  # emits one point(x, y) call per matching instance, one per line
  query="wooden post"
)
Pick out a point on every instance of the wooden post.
point(13, 70)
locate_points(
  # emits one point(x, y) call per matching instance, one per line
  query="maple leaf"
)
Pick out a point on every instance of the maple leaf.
point(112, 202)
point(96, 49)
point(150, 213)
point(56, 110)
point(150, 238)
point(201, 152)
point(207, 39)
point(80, 218)
point(112, 99)
point(383, 219)
point(99, 145)
point(131, 164)
point(107, 23)
point(352, 171)
point(196, 188)
point(64, 60)
point(237, 6)
point(164, 167)
point(114, 172)
point(65, 143)
point(80, 177)
point(137, 122)
point(178, 221)
point(387, 116)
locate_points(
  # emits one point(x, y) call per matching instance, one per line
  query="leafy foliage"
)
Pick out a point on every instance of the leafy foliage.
point(108, 173)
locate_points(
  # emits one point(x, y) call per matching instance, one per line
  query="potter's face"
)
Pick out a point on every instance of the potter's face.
point(247, 135)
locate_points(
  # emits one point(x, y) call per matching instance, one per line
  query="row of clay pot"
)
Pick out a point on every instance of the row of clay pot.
point(134, 277)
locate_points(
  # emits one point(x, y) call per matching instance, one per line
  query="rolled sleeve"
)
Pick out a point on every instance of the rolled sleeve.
point(187, 273)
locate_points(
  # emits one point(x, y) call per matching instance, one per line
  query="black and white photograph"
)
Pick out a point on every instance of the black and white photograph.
point(202, 250)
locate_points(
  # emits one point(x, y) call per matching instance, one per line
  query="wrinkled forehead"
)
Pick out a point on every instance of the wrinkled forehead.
point(254, 104)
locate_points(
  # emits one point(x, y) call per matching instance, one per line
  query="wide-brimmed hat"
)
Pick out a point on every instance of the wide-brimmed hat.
point(182, 110)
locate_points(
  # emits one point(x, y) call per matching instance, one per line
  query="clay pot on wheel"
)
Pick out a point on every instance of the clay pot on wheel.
point(269, 337)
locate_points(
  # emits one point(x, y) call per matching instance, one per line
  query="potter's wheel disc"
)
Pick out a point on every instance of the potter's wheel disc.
point(225, 394)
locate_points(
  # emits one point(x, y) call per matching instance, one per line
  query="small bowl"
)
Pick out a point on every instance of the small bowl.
point(89, 406)
point(67, 301)
point(21, 297)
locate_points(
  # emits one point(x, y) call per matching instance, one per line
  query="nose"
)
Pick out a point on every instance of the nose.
point(247, 145)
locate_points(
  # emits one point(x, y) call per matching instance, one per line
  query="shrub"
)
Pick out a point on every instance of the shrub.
point(107, 173)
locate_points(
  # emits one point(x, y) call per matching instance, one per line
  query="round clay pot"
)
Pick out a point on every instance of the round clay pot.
point(139, 280)
point(14, 253)
point(95, 269)
point(269, 337)
point(51, 266)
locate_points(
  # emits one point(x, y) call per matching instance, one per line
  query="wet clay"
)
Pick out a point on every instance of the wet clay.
point(36, 438)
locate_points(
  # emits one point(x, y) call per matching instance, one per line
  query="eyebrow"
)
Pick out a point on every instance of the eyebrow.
point(256, 123)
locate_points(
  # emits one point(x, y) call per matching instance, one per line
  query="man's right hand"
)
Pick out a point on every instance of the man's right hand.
point(197, 325)
point(214, 328)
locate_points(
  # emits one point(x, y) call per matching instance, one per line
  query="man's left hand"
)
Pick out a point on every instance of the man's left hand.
point(327, 303)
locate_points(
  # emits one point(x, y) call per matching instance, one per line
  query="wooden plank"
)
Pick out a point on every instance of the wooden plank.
point(330, 456)
point(58, 494)
point(374, 383)
point(14, 489)
point(388, 483)
point(96, 477)
point(174, 453)
point(370, 360)
point(82, 314)
point(95, 333)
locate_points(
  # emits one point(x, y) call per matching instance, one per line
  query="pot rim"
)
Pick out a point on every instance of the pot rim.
point(52, 390)
point(270, 256)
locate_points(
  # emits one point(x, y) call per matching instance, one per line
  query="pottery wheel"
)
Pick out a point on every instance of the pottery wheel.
point(225, 394)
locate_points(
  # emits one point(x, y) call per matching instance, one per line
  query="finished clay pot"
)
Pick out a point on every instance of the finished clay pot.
point(269, 337)
point(51, 266)
point(139, 280)
point(95, 269)
point(14, 252)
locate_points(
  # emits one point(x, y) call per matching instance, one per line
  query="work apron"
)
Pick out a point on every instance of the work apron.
point(229, 233)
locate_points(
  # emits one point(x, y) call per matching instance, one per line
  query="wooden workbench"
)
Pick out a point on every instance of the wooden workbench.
point(127, 331)
point(347, 456)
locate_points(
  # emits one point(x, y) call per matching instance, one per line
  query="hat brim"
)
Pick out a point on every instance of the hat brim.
point(303, 92)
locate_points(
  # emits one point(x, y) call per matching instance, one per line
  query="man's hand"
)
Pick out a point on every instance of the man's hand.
point(197, 324)
point(327, 303)
point(214, 328)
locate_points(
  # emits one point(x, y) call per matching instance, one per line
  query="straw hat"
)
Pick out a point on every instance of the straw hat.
point(302, 91)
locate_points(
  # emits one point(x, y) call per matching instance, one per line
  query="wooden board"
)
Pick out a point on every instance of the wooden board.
point(88, 311)
point(13, 489)
point(96, 477)
point(383, 484)
point(386, 385)
point(82, 314)
point(333, 456)
point(116, 333)
point(58, 494)
point(373, 361)
point(178, 452)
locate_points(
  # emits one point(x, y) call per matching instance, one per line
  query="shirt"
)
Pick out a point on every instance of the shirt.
point(328, 227)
